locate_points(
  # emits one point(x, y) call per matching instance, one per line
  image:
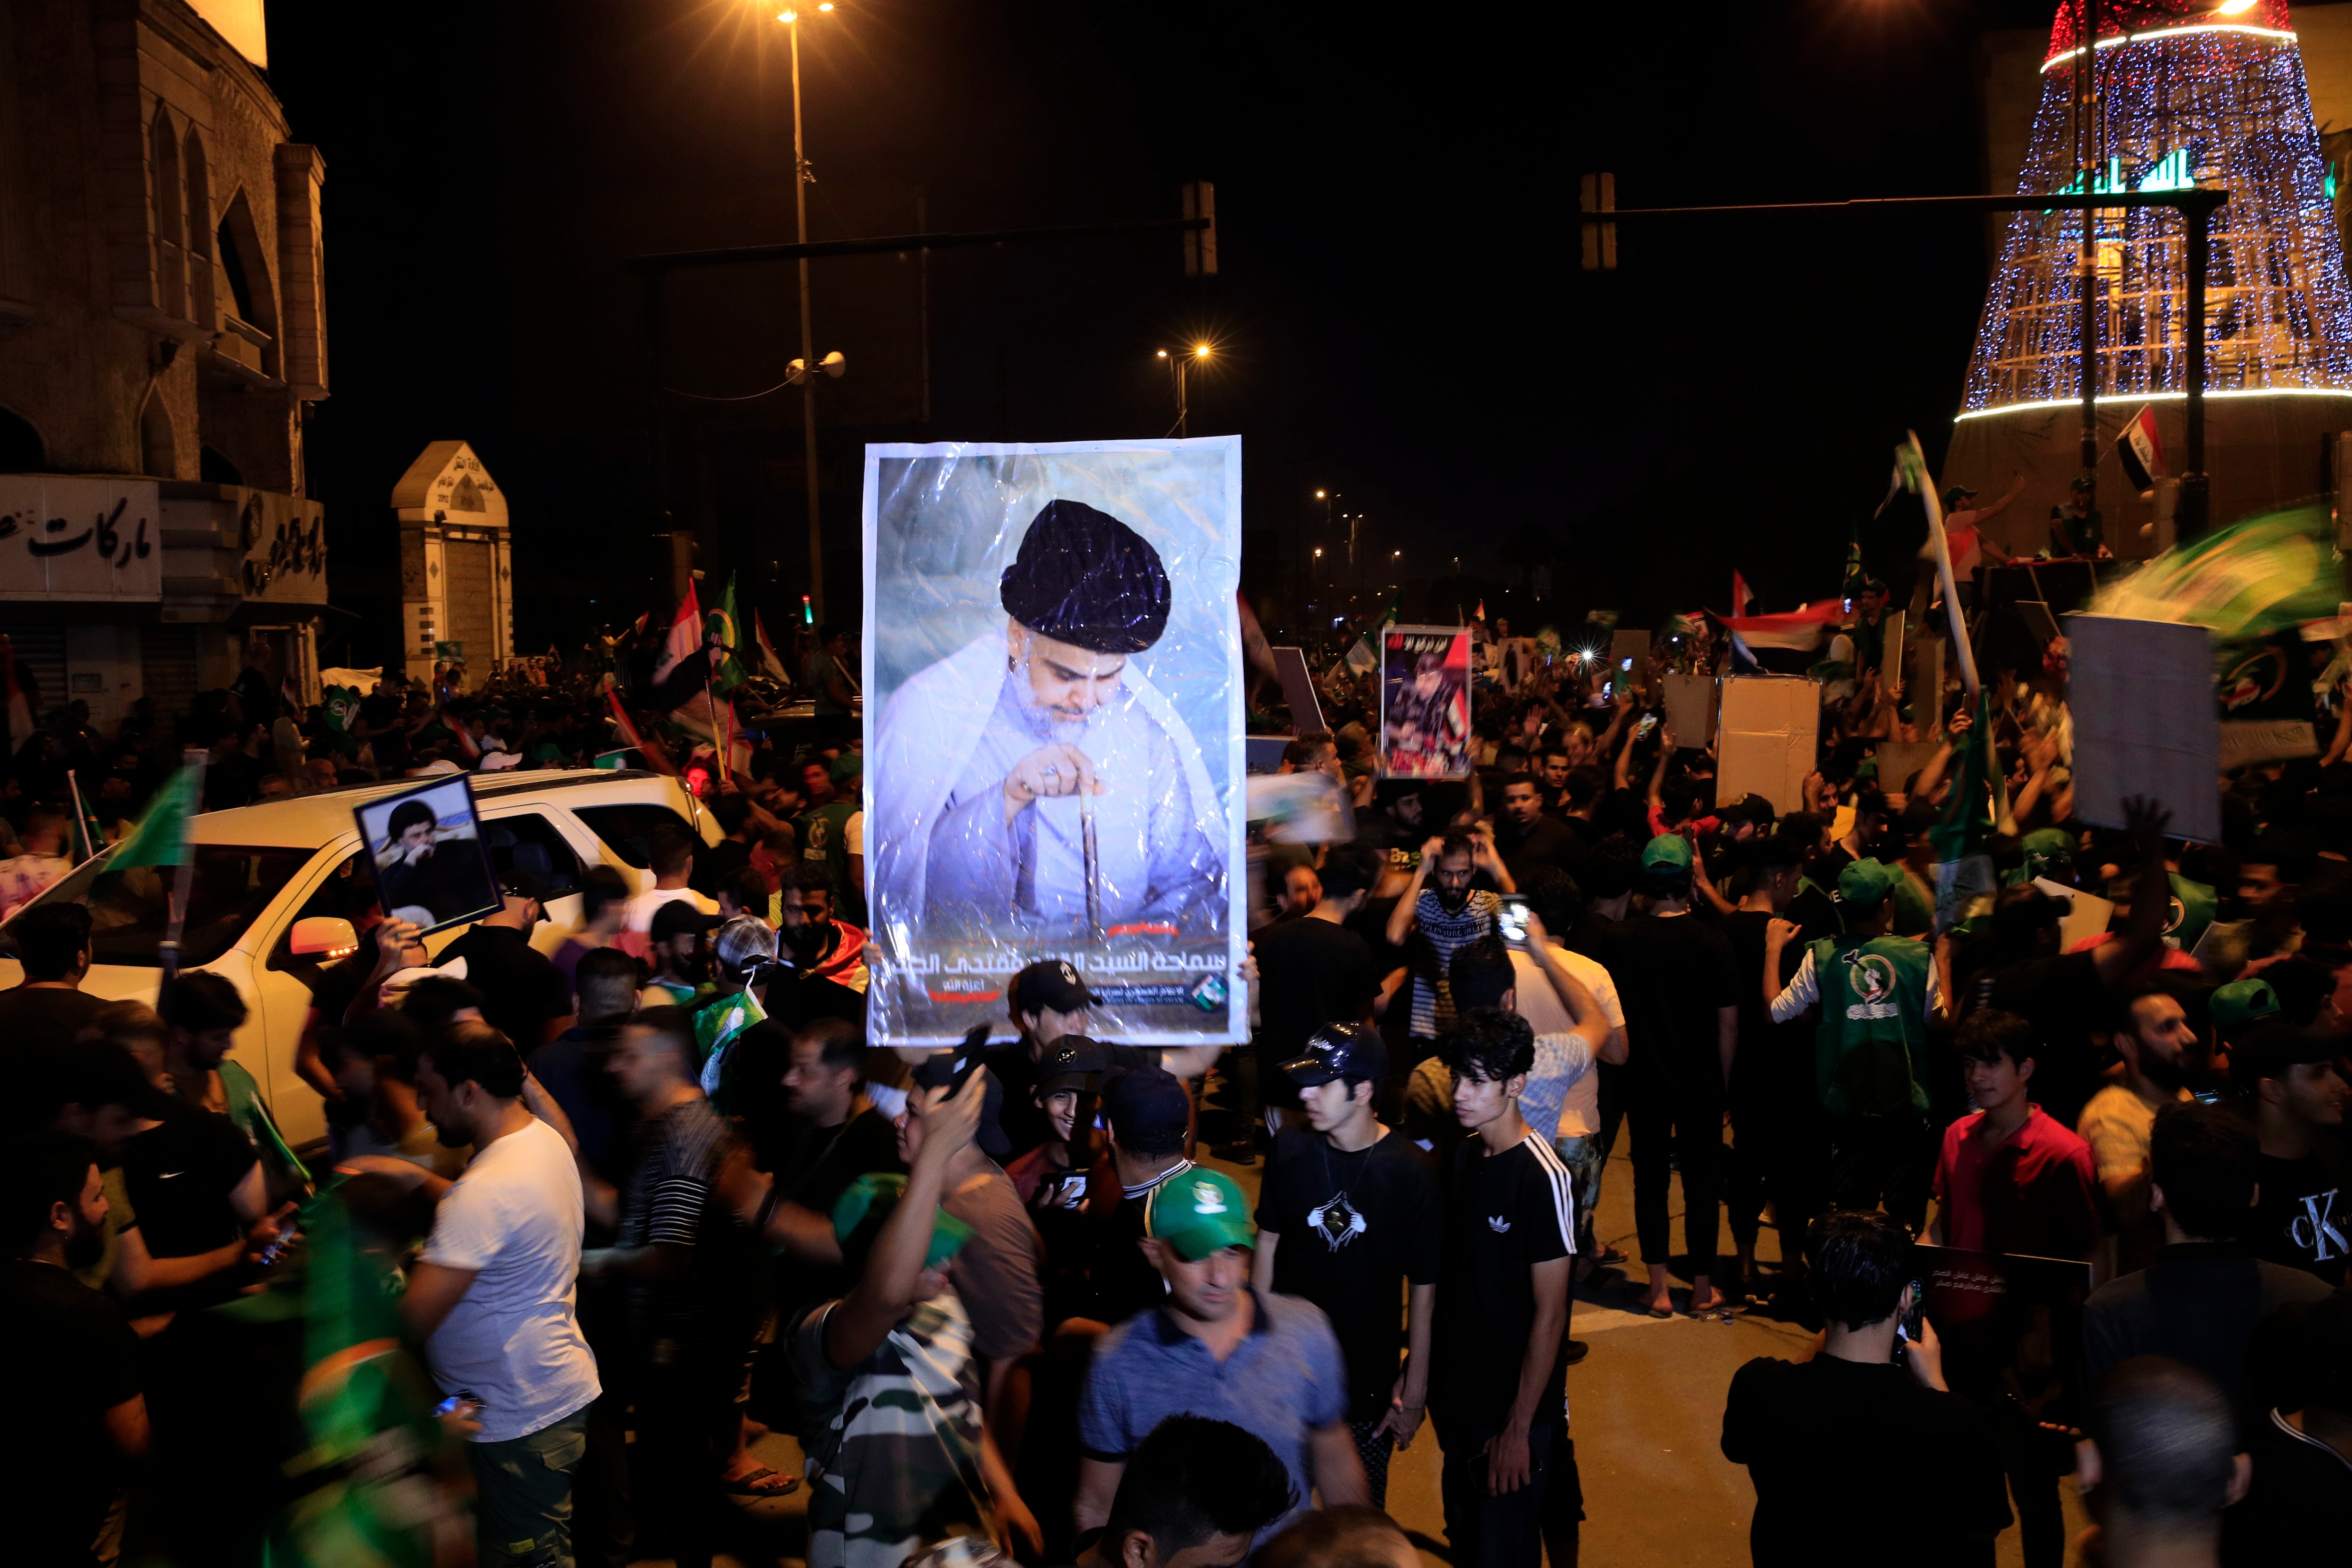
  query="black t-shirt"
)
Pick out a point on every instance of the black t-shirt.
point(2065, 999)
point(1673, 973)
point(524, 990)
point(2299, 1508)
point(75, 1360)
point(795, 999)
point(818, 1167)
point(714, 863)
point(1543, 842)
point(1311, 973)
point(37, 1024)
point(1503, 1214)
point(180, 1174)
point(1854, 1463)
point(1354, 1227)
point(1774, 1068)
point(2300, 1217)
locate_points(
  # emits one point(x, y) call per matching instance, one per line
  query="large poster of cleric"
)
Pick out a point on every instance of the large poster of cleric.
point(1054, 713)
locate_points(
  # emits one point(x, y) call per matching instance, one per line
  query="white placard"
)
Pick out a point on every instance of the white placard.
point(2141, 696)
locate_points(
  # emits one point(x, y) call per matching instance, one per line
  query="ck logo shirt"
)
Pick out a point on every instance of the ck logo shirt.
point(2301, 1218)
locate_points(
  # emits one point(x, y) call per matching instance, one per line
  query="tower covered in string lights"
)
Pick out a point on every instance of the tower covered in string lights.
point(2182, 92)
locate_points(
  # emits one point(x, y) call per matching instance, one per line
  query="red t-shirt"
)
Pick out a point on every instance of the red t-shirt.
point(2035, 1193)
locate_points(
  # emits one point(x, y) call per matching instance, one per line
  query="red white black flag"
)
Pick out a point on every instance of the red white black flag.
point(2142, 454)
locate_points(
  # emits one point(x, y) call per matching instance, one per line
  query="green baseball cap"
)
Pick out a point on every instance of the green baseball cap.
point(1666, 852)
point(1865, 883)
point(1199, 1212)
point(848, 765)
point(2240, 1003)
point(2045, 847)
point(867, 1202)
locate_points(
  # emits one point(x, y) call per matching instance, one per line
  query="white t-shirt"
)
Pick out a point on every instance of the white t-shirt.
point(853, 833)
point(513, 1338)
point(641, 907)
point(1580, 1111)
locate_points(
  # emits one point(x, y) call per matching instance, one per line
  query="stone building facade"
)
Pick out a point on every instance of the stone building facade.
point(162, 331)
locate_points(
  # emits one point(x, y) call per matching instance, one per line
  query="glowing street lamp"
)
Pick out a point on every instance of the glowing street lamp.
point(1178, 361)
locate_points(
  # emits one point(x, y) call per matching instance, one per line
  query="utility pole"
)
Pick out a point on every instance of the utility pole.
point(808, 343)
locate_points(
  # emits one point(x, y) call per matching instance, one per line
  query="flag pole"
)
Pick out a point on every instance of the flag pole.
point(1953, 613)
point(81, 818)
point(168, 950)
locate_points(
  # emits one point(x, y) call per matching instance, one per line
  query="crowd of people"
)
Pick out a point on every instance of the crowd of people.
point(594, 1219)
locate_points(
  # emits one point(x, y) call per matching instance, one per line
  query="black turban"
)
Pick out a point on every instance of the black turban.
point(1083, 577)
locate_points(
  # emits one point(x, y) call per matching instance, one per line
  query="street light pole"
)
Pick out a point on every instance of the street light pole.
point(808, 333)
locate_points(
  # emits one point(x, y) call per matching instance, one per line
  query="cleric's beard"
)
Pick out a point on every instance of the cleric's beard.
point(1044, 724)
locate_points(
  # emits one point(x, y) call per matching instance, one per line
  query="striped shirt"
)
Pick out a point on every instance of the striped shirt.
point(668, 1203)
point(1446, 933)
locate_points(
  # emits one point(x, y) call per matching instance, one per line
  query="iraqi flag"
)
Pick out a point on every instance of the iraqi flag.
point(1743, 598)
point(682, 669)
point(768, 660)
point(1801, 630)
point(2141, 453)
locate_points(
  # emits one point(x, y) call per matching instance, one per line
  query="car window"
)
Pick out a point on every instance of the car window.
point(531, 842)
point(624, 828)
point(228, 887)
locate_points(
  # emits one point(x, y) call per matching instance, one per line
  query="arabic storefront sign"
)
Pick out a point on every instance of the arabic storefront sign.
point(68, 538)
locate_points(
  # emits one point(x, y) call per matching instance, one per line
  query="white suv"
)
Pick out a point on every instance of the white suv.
point(259, 869)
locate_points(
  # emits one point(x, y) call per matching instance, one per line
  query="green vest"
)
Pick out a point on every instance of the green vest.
point(1870, 1052)
point(825, 844)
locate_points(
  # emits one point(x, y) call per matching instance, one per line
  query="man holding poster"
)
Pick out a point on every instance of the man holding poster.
point(1040, 788)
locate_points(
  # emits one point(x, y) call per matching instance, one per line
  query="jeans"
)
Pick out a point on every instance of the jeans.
point(1504, 1532)
point(522, 1498)
point(1374, 1448)
point(1586, 1157)
point(1693, 1131)
point(1883, 1159)
point(687, 1422)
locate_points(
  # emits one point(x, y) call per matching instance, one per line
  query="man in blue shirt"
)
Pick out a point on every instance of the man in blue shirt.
point(1269, 1364)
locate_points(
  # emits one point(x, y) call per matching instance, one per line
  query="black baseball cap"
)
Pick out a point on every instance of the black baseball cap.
point(938, 1071)
point(1075, 1062)
point(1049, 983)
point(516, 882)
point(1145, 1103)
point(1338, 1051)
point(677, 916)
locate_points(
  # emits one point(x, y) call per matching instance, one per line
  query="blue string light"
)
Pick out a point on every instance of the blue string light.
point(2212, 108)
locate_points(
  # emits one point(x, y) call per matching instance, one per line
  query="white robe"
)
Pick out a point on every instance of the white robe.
point(943, 862)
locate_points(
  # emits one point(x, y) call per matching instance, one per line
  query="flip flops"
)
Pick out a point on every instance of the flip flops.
point(753, 1483)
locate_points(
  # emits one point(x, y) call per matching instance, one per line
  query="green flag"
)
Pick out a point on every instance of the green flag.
point(162, 836)
point(2250, 579)
point(721, 628)
point(1972, 809)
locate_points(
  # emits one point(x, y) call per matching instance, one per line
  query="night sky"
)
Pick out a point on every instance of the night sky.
point(1400, 315)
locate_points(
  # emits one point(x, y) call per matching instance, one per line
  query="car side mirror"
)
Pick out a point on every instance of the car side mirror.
point(329, 935)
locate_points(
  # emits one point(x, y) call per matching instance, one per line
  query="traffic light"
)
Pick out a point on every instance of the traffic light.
point(1201, 244)
point(1599, 195)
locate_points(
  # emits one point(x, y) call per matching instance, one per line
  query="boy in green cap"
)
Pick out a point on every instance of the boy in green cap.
point(1870, 1060)
point(1215, 1347)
